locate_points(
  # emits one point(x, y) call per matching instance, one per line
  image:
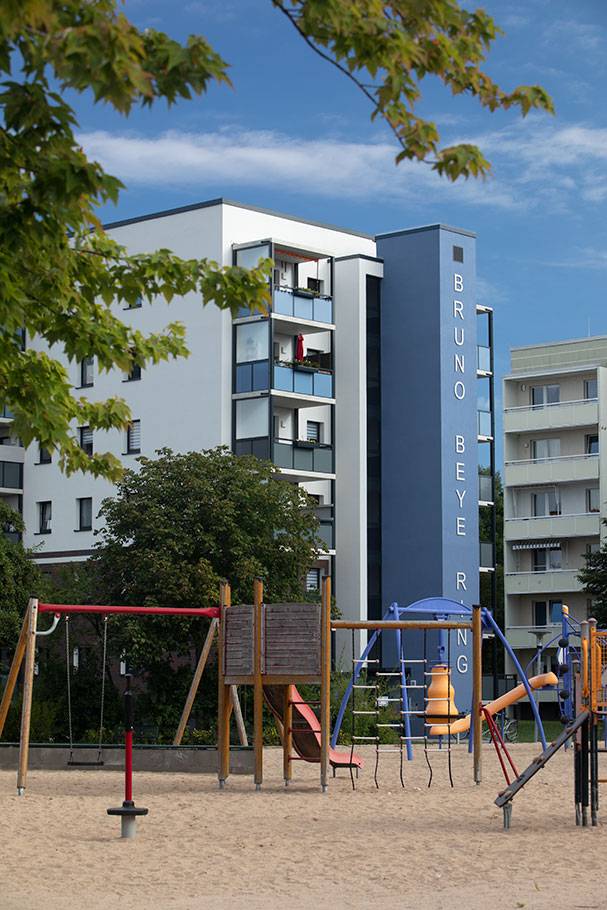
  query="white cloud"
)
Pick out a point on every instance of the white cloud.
point(537, 164)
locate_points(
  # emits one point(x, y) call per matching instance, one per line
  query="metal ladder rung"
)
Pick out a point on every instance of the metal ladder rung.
point(388, 751)
point(365, 712)
point(417, 714)
point(413, 660)
point(412, 739)
point(437, 698)
point(393, 673)
point(434, 673)
point(393, 699)
point(371, 739)
point(412, 686)
point(364, 687)
point(389, 725)
point(442, 751)
point(364, 660)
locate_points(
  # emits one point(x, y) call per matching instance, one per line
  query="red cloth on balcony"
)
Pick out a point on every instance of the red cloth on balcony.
point(299, 348)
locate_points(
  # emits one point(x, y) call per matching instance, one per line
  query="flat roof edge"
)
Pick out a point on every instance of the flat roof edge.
point(427, 227)
point(553, 344)
point(165, 213)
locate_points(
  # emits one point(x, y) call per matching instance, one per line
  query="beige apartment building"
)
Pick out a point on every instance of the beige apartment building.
point(555, 486)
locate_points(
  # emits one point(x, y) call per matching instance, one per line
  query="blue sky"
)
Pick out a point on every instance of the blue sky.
point(295, 135)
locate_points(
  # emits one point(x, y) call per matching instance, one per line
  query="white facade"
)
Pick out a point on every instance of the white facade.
point(195, 403)
point(555, 484)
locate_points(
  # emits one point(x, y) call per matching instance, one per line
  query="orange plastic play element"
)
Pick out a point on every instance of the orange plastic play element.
point(440, 702)
point(494, 707)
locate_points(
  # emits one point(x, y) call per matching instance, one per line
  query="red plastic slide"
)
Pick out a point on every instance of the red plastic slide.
point(306, 728)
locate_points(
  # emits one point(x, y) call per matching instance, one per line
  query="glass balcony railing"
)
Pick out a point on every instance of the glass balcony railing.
point(483, 358)
point(486, 555)
point(484, 423)
point(303, 380)
point(303, 304)
point(253, 376)
point(485, 488)
point(258, 446)
point(11, 475)
point(303, 456)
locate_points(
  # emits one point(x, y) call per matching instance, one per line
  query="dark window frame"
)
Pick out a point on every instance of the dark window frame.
point(458, 253)
point(82, 525)
point(130, 448)
point(45, 523)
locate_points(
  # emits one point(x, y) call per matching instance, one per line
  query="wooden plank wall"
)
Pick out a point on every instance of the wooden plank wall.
point(291, 640)
point(238, 640)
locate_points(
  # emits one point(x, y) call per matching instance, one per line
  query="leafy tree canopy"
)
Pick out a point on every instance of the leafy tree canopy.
point(60, 278)
point(21, 578)
point(182, 523)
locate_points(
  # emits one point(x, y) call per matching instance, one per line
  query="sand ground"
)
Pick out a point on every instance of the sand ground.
point(297, 848)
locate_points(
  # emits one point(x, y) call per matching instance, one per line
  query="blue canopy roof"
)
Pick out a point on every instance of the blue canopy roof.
point(442, 606)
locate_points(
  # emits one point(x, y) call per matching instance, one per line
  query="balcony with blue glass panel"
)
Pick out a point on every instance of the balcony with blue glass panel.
point(299, 303)
point(306, 385)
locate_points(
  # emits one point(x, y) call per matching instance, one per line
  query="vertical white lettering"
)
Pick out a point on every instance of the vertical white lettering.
point(459, 363)
point(458, 309)
point(460, 445)
point(461, 495)
point(459, 390)
point(459, 335)
point(458, 282)
point(462, 636)
point(460, 467)
point(461, 581)
point(460, 526)
point(462, 663)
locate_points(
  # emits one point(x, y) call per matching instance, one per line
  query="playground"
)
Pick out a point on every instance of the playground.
point(403, 812)
point(298, 848)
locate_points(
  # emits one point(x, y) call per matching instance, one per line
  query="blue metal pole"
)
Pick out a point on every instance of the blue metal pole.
point(536, 714)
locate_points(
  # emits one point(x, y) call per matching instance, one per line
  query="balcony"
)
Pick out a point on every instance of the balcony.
point(297, 380)
point(485, 488)
point(586, 524)
point(525, 637)
point(11, 475)
point(484, 427)
point(253, 376)
point(301, 458)
point(563, 469)
point(486, 556)
point(299, 303)
point(483, 360)
point(555, 581)
point(560, 415)
point(326, 528)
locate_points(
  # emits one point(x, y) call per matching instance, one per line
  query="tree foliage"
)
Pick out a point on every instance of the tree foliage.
point(62, 277)
point(182, 523)
point(20, 577)
point(387, 49)
point(594, 578)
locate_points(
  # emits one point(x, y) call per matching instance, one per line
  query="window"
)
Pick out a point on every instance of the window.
point(134, 375)
point(556, 611)
point(44, 456)
point(545, 448)
point(548, 502)
point(547, 560)
point(86, 372)
point(86, 440)
point(313, 580)
point(593, 500)
point(591, 444)
point(591, 388)
point(540, 613)
point(458, 254)
point(45, 513)
point(133, 438)
point(315, 284)
point(252, 418)
point(313, 431)
point(542, 395)
point(85, 513)
point(252, 341)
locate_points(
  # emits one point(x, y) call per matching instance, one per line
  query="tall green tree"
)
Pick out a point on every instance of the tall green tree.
point(20, 578)
point(594, 578)
point(60, 274)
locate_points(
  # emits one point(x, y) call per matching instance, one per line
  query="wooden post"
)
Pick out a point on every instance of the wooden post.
point(13, 673)
point(258, 682)
point(242, 730)
point(224, 706)
point(325, 683)
point(287, 735)
point(189, 702)
point(477, 689)
point(28, 686)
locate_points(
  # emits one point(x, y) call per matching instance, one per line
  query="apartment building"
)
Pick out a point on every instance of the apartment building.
point(555, 421)
point(360, 384)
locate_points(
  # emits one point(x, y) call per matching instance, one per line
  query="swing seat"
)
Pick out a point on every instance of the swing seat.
point(84, 764)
